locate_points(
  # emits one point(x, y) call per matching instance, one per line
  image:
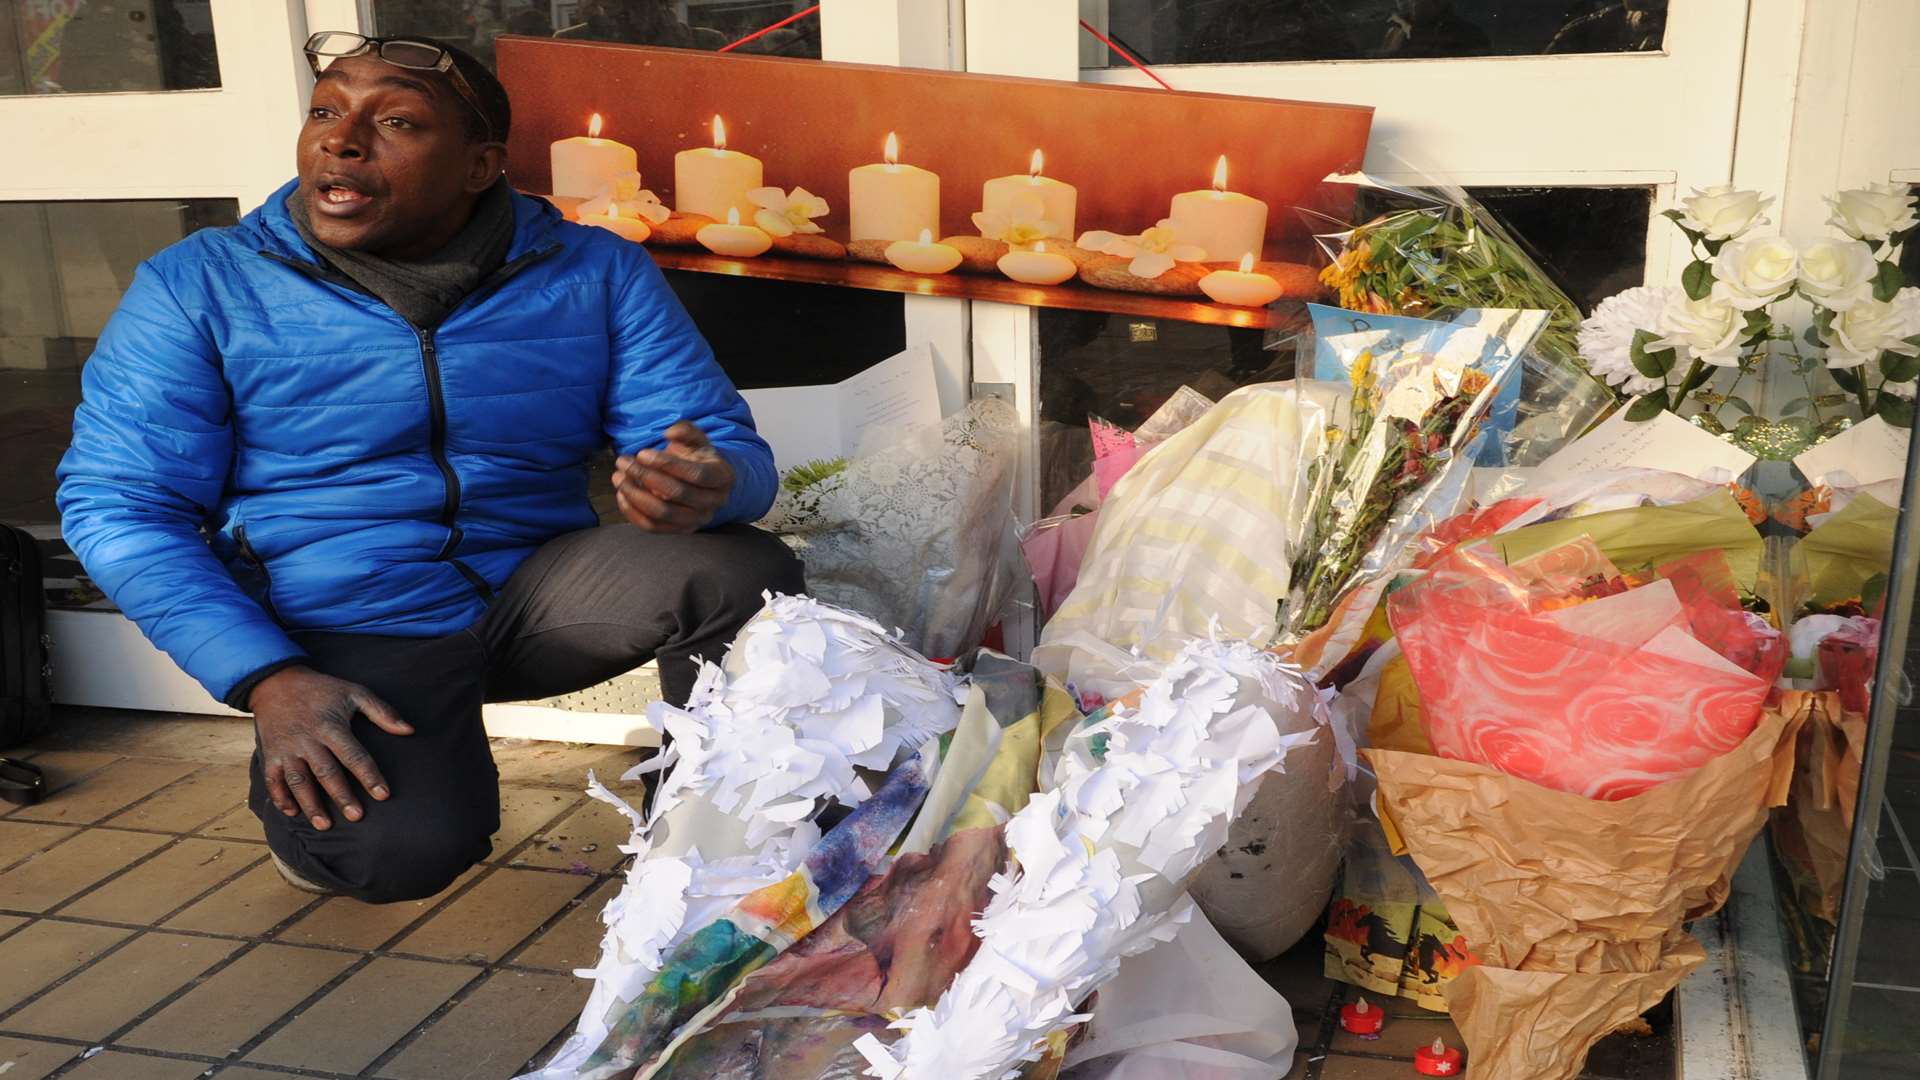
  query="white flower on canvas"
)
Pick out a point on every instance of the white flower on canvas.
point(1021, 225)
point(1722, 213)
point(1606, 337)
point(1860, 334)
point(1874, 212)
point(1154, 252)
point(1837, 274)
point(1752, 273)
point(783, 214)
point(1704, 330)
point(633, 200)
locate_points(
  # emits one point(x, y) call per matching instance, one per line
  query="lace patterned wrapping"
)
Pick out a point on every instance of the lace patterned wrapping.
point(917, 532)
point(808, 693)
point(1141, 797)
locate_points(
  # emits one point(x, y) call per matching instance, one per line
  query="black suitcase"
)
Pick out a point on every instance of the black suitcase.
point(26, 669)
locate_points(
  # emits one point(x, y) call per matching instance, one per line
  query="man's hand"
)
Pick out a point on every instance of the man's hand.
point(677, 490)
point(306, 742)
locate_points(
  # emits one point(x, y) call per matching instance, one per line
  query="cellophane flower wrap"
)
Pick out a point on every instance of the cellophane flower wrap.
point(1564, 671)
point(1416, 407)
point(1428, 249)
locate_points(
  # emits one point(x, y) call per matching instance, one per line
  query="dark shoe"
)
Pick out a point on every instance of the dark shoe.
point(294, 878)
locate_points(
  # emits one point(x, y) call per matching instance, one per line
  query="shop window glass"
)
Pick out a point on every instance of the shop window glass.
point(1121, 368)
point(63, 268)
point(473, 24)
point(1257, 31)
point(106, 46)
point(779, 333)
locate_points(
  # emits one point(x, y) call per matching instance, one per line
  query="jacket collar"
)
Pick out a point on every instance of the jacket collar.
point(535, 227)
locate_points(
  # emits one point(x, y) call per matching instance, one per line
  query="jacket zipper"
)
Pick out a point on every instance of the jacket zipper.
point(266, 576)
point(437, 446)
point(436, 404)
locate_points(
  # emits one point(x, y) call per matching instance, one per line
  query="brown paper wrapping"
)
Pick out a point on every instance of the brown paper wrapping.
point(1540, 1024)
point(1814, 831)
point(1576, 905)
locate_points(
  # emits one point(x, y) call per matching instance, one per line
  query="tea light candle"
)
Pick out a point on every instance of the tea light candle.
point(1037, 267)
point(1362, 1019)
point(1058, 199)
point(1242, 286)
point(733, 238)
point(584, 166)
point(1437, 1060)
point(892, 201)
point(630, 228)
point(711, 180)
point(923, 256)
point(1226, 223)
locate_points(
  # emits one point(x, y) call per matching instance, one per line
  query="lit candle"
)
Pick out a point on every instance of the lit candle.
point(923, 256)
point(1057, 198)
point(1226, 223)
point(1438, 1059)
point(631, 228)
point(892, 201)
point(1242, 286)
point(1362, 1019)
point(733, 238)
point(584, 167)
point(1037, 267)
point(711, 180)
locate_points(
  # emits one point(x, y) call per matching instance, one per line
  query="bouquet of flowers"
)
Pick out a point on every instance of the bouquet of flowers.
point(1603, 743)
point(1431, 251)
point(1669, 346)
point(1415, 409)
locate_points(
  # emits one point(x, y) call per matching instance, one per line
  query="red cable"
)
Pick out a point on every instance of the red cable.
point(1124, 54)
point(789, 20)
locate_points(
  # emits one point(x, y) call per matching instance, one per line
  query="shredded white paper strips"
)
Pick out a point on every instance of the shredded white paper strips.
point(1101, 860)
point(809, 692)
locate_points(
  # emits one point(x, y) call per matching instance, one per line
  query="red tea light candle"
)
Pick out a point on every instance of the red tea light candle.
point(1437, 1060)
point(1363, 1019)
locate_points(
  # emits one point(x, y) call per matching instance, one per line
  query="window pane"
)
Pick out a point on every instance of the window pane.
point(778, 333)
point(63, 266)
point(473, 24)
point(106, 46)
point(1593, 241)
point(1254, 31)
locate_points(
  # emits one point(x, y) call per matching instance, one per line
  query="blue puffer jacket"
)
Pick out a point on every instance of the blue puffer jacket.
point(260, 448)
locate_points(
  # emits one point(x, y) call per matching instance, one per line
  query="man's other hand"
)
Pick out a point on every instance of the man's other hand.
point(307, 744)
point(676, 490)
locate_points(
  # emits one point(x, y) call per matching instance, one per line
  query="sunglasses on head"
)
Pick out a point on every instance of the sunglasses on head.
point(325, 47)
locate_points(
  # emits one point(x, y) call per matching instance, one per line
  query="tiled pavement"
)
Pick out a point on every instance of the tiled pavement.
point(139, 914)
point(141, 923)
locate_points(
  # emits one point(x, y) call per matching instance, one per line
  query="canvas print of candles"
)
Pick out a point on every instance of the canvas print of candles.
point(747, 164)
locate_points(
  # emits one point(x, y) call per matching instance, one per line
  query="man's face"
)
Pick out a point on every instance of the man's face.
point(385, 159)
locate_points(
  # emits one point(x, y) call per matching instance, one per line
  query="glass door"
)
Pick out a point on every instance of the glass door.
point(131, 123)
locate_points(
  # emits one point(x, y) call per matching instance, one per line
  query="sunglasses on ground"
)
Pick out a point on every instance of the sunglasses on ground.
point(324, 48)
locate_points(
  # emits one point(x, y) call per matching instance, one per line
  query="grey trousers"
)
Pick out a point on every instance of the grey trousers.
point(585, 607)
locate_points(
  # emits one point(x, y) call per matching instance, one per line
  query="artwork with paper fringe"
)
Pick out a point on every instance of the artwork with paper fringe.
point(787, 916)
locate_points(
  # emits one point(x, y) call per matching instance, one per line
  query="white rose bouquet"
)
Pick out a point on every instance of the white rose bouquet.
point(1666, 345)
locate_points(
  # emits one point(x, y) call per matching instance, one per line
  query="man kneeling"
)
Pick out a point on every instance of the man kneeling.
point(334, 461)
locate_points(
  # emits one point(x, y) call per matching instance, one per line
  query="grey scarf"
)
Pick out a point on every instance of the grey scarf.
point(425, 291)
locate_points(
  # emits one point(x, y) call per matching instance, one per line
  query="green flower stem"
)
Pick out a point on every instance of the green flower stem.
point(1687, 385)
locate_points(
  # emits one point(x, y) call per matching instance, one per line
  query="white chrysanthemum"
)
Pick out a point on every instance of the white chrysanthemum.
point(1606, 338)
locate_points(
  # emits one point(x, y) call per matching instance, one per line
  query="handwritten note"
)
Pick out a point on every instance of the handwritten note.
point(830, 420)
point(1868, 452)
point(1664, 442)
